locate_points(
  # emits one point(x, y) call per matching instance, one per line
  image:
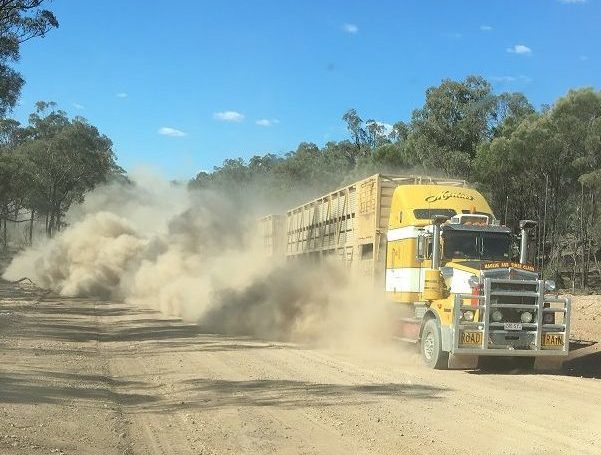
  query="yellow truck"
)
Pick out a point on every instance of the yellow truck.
point(436, 248)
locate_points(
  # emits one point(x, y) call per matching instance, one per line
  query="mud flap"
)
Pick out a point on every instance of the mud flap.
point(463, 362)
point(548, 363)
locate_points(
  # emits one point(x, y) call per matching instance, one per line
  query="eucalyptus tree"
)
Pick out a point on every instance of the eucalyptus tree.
point(63, 158)
point(20, 21)
point(548, 166)
point(454, 120)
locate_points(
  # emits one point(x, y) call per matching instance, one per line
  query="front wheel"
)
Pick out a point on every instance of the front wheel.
point(431, 347)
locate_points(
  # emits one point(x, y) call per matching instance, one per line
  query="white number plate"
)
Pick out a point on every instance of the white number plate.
point(512, 326)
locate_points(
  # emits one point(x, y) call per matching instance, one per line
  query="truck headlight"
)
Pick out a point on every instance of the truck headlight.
point(526, 316)
point(497, 316)
point(549, 285)
point(468, 315)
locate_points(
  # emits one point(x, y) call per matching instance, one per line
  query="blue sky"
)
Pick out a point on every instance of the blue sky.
point(180, 86)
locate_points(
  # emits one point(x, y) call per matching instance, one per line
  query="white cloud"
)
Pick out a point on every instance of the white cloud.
point(228, 116)
point(502, 78)
point(486, 28)
point(510, 79)
point(167, 131)
point(573, 2)
point(78, 106)
point(387, 127)
point(121, 95)
point(267, 122)
point(520, 49)
point(350, 28)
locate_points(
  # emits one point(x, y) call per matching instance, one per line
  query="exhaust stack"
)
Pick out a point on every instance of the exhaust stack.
point(436, 250)
point(433, 282)
point(525, 225)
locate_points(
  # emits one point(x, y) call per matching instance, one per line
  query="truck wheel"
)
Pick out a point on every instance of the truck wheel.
point(431, 347)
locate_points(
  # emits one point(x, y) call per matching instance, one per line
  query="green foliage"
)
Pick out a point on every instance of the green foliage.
point(20, 21)
point(542, 165)
point(457, 118)
point(51, 163)
point(547, 167)
point(454, 120)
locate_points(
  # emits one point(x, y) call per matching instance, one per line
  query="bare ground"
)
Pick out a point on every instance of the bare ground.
point(91, 377)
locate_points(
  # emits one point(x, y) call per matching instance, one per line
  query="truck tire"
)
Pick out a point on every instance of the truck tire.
point(431, 347)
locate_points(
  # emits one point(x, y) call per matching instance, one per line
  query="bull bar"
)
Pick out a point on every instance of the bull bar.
point(486, 306)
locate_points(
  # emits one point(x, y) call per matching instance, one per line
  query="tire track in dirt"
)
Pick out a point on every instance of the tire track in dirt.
point(95, 377)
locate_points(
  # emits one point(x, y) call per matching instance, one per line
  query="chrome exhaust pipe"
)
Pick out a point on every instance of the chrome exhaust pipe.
point(525, 225)
point(436, 250)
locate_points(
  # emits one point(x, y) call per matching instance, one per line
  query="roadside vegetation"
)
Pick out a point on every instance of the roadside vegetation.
point(542, 164)
point(53, 160)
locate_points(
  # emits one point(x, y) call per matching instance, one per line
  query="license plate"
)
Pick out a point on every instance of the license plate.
point(470, 338)
point(552, 339)
point(512, 326)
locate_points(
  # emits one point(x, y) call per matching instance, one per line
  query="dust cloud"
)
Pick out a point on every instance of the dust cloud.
point(199, 256)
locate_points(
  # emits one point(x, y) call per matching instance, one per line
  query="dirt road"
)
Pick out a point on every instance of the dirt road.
point(90, 377)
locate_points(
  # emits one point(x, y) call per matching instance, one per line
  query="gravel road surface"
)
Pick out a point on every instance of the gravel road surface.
point(84, 376)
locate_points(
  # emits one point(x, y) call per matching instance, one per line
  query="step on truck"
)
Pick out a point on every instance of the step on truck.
point(436, 248)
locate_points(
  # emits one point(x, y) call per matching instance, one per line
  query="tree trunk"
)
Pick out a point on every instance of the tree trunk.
point(582, 239)
point(4, 234)
point(50, 230)
point(597, 265)
point(58, 219)
point(575, 265)
point(545, 222)
point(31, 227)
point(593, 247)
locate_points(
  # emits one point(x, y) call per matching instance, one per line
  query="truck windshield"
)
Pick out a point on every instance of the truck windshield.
point(491, 246)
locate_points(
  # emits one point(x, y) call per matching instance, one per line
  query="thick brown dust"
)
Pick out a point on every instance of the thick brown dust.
point(198, 256)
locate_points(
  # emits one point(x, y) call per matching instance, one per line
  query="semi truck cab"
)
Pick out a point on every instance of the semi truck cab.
point(452, 261)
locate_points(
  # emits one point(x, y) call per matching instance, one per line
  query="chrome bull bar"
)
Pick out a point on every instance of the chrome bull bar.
point(494, 330)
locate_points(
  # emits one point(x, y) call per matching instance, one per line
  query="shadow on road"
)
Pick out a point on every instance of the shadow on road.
point(76, 320)
point(584, 360)
point(209, 394)
point(58, 326)
point(49, 387)
point(167, 335)
point(72, 389)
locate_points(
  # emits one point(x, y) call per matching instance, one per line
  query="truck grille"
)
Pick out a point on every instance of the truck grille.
point(510, 335)
point(522, 293)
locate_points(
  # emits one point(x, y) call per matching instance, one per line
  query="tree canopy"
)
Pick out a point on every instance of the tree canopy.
point(20, 21)
point(51, 163)
point(543, 165)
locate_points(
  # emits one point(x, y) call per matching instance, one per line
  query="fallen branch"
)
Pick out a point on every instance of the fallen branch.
point(20, 280)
